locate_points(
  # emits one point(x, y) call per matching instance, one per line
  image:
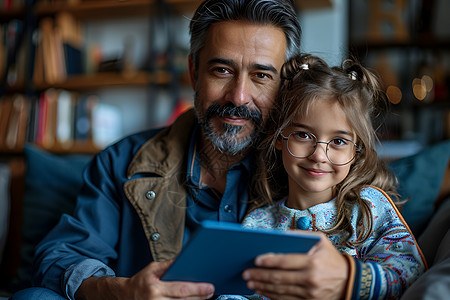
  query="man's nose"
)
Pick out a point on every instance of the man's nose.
point(240, 91)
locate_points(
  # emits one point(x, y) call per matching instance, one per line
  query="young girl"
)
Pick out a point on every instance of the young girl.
point(322, 133)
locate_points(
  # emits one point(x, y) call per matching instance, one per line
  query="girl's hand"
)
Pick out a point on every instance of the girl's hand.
point(320, 274)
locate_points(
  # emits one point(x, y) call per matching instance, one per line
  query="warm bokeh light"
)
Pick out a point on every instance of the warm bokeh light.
point(428, 82)
point(419, 89)
point(394, 94)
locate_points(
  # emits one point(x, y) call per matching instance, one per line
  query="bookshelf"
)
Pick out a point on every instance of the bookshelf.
point(399, 40)
point(55, 27)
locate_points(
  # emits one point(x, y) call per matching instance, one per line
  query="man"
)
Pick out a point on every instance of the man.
point(144, 195)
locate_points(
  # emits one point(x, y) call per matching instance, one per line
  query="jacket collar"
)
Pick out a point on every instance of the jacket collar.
point(163, 153)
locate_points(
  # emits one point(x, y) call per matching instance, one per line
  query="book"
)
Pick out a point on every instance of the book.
point(24, 117)
point(41, 118)
point(50, 53)
point(13, 123)
point(83, 118)
point(49, 128)
point(6, 106)
point(65, 118)
point(71, 42)
point(38, 72)
point(17, 127)
point(73, 60)
point(33, 119)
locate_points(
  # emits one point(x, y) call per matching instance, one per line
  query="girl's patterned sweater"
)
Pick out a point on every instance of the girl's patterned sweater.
point(382, 267)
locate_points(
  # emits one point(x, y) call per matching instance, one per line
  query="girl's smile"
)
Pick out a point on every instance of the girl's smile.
point(316, 172)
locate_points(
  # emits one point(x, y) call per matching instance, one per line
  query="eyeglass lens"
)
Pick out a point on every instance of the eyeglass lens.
point(339, 151)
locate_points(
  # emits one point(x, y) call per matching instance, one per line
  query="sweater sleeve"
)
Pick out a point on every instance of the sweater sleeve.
point(390, 260)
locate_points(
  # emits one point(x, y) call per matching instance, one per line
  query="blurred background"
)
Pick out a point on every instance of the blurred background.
point(79, 74)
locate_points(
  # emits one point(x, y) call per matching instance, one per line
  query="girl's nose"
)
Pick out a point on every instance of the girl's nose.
point(320, 154)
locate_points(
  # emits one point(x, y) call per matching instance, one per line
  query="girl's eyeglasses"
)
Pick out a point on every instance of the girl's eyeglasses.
point(339, 151)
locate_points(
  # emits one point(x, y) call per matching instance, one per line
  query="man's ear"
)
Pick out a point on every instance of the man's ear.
point(192, 73)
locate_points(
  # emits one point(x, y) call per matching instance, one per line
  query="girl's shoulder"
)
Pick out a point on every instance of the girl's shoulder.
point(374, 194)
point(380, 202)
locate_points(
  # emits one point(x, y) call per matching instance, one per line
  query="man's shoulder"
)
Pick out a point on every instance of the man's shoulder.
point(137, 139)
point(130, 144)
point(133, 142)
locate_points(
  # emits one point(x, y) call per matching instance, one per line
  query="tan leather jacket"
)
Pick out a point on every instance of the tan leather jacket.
point(160, 200)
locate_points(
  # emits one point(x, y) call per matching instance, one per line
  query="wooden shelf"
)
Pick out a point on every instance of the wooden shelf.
point(12, 13)
point(15, 88)
point(99, 80)
point(111, 8)
point(184, 6)
point(303, 5)
point(389, 44)
point(97, 9)
point(126, 8)
point(79, 147)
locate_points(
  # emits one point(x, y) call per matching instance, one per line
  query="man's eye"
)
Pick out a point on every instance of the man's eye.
point(221, 70)
point(262, 75)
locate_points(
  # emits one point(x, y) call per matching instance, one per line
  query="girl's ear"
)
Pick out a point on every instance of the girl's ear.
point(279, 143)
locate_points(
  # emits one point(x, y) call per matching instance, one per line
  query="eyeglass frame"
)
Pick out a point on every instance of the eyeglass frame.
point(286, 138)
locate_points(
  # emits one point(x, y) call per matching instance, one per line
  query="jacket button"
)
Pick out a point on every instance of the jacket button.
point(228, 208)
point(155, 237)
point(150, 195)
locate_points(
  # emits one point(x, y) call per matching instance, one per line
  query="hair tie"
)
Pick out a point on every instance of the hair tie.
point(353, 75)
point(304, 66)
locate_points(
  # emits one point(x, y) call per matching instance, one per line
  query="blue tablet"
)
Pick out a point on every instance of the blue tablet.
point(218, 253)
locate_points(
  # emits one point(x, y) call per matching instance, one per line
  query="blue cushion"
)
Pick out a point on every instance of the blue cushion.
point(52, 183)
point(420, 177)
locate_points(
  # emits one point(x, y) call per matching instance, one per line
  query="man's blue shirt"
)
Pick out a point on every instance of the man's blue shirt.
point(205, 203)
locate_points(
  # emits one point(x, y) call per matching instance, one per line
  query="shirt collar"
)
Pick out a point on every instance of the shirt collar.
point(193, 172)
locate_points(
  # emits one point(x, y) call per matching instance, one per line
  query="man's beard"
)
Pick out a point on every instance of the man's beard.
point(227, 141)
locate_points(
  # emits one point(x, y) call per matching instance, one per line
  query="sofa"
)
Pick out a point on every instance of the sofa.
point(50, 183)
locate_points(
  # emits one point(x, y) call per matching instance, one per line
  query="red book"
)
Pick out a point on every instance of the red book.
point(42, 118)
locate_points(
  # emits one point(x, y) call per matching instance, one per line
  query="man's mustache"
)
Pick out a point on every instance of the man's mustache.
point(230, 110)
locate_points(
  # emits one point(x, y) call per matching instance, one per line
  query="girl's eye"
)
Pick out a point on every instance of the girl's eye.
point(302, 135)
point(339, 142)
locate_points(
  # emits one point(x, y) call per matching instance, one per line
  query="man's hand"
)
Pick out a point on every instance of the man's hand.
point(145, 285)
point(320, 274)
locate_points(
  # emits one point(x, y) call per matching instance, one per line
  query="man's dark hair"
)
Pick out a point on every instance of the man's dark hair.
point(279, 13)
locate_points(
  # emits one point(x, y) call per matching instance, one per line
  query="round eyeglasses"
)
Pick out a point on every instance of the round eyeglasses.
point(339, 151)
